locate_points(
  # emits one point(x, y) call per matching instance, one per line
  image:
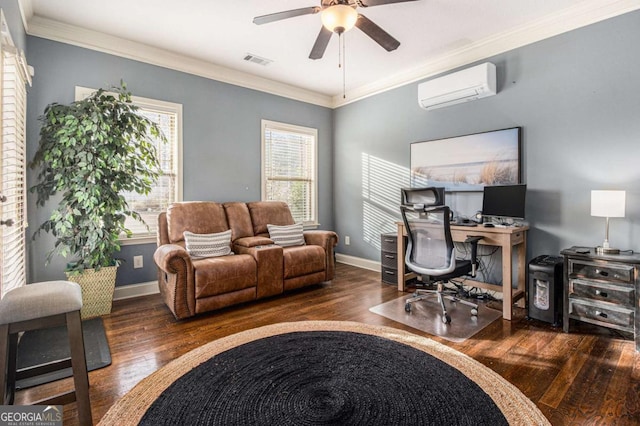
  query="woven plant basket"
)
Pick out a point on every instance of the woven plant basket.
point(97, 290)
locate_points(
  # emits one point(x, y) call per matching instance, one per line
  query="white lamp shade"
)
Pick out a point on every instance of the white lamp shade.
point(339, 17)
point(607, 203)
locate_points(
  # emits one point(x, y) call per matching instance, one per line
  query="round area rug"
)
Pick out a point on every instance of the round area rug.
point(324, 373)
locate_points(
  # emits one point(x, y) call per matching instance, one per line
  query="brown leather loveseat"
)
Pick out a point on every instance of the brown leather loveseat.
point(257, 268)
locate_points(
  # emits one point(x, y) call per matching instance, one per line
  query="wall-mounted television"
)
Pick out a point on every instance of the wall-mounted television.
point(469, 162)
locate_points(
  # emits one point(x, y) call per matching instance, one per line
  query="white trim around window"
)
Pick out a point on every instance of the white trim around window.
point(173, 171)
point(290, 168)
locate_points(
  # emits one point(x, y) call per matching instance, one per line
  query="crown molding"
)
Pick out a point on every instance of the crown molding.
point(569, 19)
point(577, 16)
point(89, 39)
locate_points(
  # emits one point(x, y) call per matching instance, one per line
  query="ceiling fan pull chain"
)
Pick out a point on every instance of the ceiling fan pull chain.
point(340, 50)
point(344, 70)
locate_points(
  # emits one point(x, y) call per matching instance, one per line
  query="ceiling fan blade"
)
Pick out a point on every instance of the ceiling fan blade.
point(321, 44)
point(368, 3)
point(379, 35)
point(265, 19)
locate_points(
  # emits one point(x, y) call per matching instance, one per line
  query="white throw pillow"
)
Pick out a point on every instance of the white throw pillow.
point(286, 236)
point(208, 245)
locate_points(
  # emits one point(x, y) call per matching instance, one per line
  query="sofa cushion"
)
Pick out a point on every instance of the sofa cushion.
point(208, 245)
point(219, 275)
point(269, 212)
point(287, 235)
point(303, 260)
point(199, 217)
point(239, 220)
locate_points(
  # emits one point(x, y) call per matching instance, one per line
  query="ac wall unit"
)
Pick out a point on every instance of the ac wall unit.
point(462, 86)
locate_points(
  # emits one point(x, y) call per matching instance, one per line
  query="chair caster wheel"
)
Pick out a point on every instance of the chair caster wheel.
point(446, 318)
point(407, 307)
point(474, 312)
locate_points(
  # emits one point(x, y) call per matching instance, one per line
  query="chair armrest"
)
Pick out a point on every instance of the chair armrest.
point(327, 240)
point(473, 240)
point(171, 258)
point(252, 242)
point(176, 279)
point(324, 239)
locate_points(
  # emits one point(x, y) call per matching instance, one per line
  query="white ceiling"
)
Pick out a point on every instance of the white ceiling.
point(435, 35)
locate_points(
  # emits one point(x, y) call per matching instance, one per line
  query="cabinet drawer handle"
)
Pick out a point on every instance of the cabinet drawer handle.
point(388, 256)
point(601, 314)
point(389, 272)
point(603, 273)
point(389, 241)
point(601, 293)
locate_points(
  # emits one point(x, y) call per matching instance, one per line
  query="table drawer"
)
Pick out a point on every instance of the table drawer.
point(389, 259)
point(607, 272)
point(611, 315)
point(389, 243)
point(618, 294)
point(390, 275)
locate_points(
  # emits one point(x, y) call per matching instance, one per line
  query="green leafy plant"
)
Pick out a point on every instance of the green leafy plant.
point(91, 152)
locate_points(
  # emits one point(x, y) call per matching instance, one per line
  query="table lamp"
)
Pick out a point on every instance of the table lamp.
point(607, 204)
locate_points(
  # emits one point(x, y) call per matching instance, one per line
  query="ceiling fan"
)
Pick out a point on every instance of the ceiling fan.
point(339, 16)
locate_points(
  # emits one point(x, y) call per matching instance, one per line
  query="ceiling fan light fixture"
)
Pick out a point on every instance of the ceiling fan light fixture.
point(339, 18)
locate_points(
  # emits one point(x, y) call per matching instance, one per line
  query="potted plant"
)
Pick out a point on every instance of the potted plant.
point(90, 153)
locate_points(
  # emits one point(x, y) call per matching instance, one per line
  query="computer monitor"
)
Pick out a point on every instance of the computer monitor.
point(429, 196)
point(504, 201)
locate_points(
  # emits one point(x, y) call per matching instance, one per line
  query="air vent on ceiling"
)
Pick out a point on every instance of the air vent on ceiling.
point(257, 59)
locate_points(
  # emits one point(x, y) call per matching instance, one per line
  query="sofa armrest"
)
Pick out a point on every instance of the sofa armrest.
point(176, 279)
point(327, 240)
point(270, 268)
point(252, 241)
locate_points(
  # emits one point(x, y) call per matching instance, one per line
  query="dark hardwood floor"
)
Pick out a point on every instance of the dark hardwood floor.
point(590, 376)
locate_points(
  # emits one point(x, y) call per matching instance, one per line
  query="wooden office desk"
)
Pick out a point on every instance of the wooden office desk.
point(507, 239)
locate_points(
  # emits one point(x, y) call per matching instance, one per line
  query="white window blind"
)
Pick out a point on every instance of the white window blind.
point(168, 187)
point(289, 168)
point(164, 191)
point(13, 155)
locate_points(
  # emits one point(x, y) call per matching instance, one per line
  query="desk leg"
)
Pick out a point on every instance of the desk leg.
point(507, 294)
point(400, 254)
point(522, 270)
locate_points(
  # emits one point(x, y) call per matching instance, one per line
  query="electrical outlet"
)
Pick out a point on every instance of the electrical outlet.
point(347, 240)
point(138, 262)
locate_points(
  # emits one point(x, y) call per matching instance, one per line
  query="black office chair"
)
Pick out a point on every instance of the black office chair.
point(431, 254)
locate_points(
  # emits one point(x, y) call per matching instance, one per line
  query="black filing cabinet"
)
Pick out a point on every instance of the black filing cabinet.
point(389, 257)
point(545, 289)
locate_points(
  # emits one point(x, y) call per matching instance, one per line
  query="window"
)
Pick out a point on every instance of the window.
point(15, 76)
point(168, 188)
point(289, 168)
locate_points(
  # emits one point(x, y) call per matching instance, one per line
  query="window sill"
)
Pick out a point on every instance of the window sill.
point(150, 239)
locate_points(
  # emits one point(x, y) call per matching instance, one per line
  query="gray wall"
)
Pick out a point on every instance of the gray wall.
point(577, 97)
point(221, 135)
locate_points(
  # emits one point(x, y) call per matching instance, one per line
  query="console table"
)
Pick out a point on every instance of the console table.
point(509, 239)
point(602, 289)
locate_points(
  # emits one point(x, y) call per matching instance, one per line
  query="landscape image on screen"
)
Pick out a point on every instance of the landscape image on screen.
point(467, 163)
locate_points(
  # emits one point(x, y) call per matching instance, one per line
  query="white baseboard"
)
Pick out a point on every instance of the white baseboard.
point(135, 290)
point(371, 265)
